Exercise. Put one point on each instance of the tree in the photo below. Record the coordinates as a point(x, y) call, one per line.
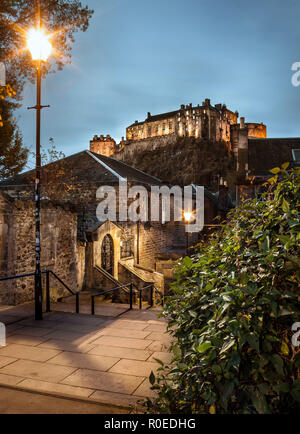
point(62, 18)
point(13, 156)
point(232, 313)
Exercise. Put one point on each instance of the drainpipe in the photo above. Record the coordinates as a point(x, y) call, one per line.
point(138, 242)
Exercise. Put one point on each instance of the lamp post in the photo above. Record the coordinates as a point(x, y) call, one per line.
point(188, 216)
point(39, 45)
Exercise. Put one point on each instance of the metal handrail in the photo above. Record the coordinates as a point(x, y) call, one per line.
point(108, 291)
point(128, 285)
point(47, 272)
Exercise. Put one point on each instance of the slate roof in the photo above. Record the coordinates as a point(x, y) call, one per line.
point(85, 167)
point(265, 154)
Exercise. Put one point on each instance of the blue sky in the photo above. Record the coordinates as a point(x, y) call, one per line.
point(140, 55)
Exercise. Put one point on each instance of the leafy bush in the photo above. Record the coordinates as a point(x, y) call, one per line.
point(231, 314)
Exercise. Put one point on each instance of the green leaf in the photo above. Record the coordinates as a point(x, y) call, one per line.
point(187, 261)
point(177, 352)
point(277, 363)
point(203, 347)
point(235, 361)
point(296, 384)
point(275, 170)
point(253, 341)
point(285, 206)
point(284, 166)
point(227, 345)
point(282, 387)
point(296, 395)
point(259, 402)
point(152, 378)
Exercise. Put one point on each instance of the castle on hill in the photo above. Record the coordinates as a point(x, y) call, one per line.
point(214, 123)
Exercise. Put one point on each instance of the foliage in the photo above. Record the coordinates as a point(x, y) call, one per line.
point(13, 156)
point(62, 18)
point(231, 314)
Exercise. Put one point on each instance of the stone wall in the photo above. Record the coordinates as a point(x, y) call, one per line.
point(59, 249)
point(149, 144)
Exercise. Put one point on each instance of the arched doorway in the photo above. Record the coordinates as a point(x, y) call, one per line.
point(107, 254)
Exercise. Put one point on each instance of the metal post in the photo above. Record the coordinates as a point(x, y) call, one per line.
point(151, 296)
point(38, 275)
point(131, 296)
point(93, 305)
point(77, 302)
point(48, 308)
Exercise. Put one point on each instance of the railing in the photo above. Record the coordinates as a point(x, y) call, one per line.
point(93, 296)
point(131, 290)
point(47, 272)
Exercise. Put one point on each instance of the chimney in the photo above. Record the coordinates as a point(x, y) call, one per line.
point(182, 106)
point(149, 115)
point(242, 123)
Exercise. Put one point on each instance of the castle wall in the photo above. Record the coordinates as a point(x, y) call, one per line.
point(149, 144)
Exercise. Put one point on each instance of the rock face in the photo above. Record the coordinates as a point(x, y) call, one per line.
point(182, 161)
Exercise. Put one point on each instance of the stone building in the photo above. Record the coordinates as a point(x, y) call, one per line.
point(85, 252)
point(255, 157)
point(104, 145)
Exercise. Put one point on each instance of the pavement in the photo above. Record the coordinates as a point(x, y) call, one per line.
point(13, 401)
point(104, 359)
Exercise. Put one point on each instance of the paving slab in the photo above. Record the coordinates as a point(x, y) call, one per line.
point(44, 386)
point(120, 352)
point(139, 344)
point(88, 361)
point(110, 382)
point(157, 346)
point(159, 328)
point(144, 390)
point(10, 380)
point(63, 345)
point(25, 340)
point(161, 337)
point(134, 367)
point(34, 331)
point(70, 336)
point(123, 333)
point(38, 370)
point(6, 361)
point(163, 356)
point(28, 353)
point(128, 325)
point(116, 398)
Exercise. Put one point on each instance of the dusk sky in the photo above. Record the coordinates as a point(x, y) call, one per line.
point(140, 55)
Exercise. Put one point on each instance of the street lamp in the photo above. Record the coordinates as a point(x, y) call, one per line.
point(39, 45)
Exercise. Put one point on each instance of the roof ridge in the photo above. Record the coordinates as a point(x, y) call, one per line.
point(113, 172)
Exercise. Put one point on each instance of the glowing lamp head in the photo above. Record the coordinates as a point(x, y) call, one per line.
point(39, 45)
point(188, 216)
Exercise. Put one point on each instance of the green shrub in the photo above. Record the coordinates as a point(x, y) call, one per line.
point(231, 314)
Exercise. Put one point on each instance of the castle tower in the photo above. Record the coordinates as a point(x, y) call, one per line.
point(104, 145)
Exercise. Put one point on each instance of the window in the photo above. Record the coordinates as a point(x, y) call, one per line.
point(164, 127)
point(170, 125)
point(296, 155)
point(149, 131)
point(126, 249)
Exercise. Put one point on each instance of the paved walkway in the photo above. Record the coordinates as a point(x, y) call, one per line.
point(13, 401)
point(105, 359)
